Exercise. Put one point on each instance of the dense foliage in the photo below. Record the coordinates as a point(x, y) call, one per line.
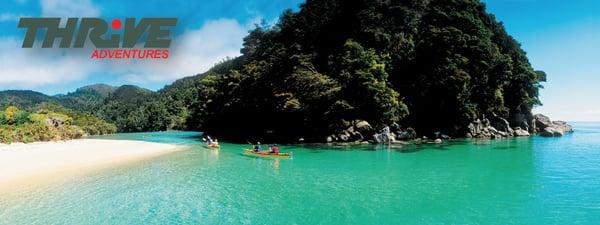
point(21, 126)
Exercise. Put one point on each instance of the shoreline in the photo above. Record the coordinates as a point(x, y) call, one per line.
point(44, 161)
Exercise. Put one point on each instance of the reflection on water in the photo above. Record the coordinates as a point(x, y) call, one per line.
point(521, 180)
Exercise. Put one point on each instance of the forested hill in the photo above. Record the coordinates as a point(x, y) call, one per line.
point(437, 66)
point(434, 65)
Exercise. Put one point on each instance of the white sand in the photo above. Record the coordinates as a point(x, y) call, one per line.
point(47, 160)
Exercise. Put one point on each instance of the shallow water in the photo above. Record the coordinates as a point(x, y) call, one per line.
point(515, 181)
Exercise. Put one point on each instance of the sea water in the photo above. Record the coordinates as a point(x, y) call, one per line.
point(529, 180)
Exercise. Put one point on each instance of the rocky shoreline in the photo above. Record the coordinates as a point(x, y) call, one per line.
point(494, 127)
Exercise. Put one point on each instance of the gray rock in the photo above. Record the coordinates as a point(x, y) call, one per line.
point(520, 132)
point(408, 134)
point(551, 132)
point(502, 125)
point(363, 127)
point(562, 126)
point(383, 136)
point(547, 128)
point(344, 137)
point(541, 122)
point(350, 129)
point(329, 139)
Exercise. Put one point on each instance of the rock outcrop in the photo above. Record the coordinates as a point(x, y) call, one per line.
point(519, 132)
point(483, 128)
point(384, 136)
point(548, 128)
point(407, 134)
point(494, 127)
point(498, 127)
point(356, 132)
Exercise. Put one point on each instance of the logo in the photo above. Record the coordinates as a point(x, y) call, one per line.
point(117, 42)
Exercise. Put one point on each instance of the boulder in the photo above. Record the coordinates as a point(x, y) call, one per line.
point(547, 128)
point(541, 122)
point(329, 139)
point(407, 134)
point(551, 132)
point(383, 136)
point(344, 137)
point(363, 127)
point(350, 129)
point(518, 131)
point(502, 125)
point(483, 129)
point(562, 126)
point(477, 129)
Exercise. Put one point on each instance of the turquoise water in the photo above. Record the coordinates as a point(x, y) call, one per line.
point(516, 181)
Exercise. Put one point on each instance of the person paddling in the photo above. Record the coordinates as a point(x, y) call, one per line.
point(275, 149)
point(257, 147)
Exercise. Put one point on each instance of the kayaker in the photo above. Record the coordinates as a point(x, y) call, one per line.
point(275, 149)
point(257, 147)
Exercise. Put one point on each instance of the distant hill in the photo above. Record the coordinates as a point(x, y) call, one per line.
point(102, 89)
point(24, 99)
point(86, 98)
point(113, 104)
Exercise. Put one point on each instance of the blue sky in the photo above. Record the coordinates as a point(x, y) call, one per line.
point(560, 37)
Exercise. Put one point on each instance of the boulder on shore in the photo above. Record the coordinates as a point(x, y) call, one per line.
point(551, 132)
point(563, 126)
point(502, 125)
point(384, 136)
point(363, 127)
point(541, 122)
point(407, 134)
point(354, 133)
point(484, 128)
point(519, 132)
point(548, 128)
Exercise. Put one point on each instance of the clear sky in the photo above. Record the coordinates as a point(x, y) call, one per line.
point(561, 37)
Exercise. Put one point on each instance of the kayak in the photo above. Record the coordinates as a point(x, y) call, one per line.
point(214, 146)
point(267, 154)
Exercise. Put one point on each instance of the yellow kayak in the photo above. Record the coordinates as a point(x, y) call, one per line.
point(267, 154)
point(214, 146)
